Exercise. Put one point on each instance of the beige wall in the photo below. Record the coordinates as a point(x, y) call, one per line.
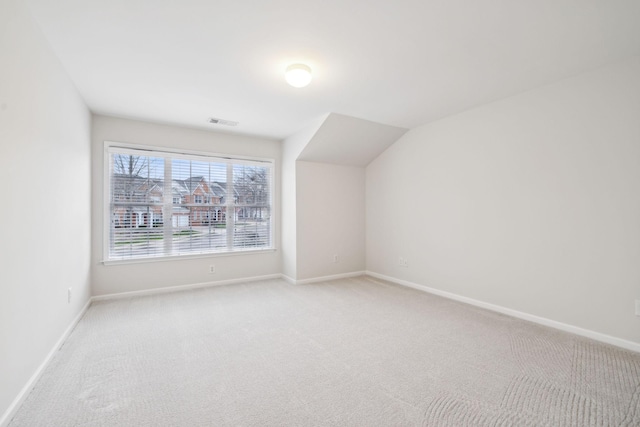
point(109, 279)
point(330, 219)
point(530, 203)
point(45, 214)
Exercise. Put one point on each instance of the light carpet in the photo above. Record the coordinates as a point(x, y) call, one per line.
point(351, 352)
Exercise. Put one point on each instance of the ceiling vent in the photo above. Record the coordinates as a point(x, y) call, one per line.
point(216, 121)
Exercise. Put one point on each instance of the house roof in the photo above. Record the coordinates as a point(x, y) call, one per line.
point(219, 188)
point(192, 183)
point(179, 187)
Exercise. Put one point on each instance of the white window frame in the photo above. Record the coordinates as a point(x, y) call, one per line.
point(110, 146)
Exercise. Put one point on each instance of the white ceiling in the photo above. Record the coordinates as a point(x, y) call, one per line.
point(348, 141)
point(401, 63)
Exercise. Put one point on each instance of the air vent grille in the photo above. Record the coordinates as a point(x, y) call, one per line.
point(216, 121)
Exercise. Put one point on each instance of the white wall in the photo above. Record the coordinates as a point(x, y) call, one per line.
point(530, 203)
point(109, 279)
point(330, 219)
point(45, 214)
point(291, 149)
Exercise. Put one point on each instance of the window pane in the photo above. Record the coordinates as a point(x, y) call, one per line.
point(199, 224)
point(136, 205)
point(205, 212)
point(253, 213)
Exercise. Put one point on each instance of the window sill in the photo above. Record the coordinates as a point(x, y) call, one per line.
point(186, 257)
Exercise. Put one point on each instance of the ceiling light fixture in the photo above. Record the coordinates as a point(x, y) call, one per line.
point(298, 75)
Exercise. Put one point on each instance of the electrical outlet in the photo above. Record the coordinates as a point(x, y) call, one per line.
point(638, 307)
point(400, 261)
point(69, 296)
point(212, 269)
point(335, 258)
point(405, 263)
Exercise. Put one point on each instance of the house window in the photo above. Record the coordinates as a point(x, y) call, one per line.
point(147, 219)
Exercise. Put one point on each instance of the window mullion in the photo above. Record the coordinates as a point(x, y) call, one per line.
point(231, 208)
point(167, 208)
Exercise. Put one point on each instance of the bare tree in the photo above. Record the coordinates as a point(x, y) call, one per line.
point(128, 184)
point(252, 188)
point(129, 165)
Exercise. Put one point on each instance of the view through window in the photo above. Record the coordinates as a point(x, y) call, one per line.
point(170, 204)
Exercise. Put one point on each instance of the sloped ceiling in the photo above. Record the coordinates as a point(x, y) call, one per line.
point(401, 63)
point(349, 141)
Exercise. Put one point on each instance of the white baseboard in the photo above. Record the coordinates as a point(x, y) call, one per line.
point(608, 339)
point(15, 405)
point(5, 419)
point(323, 278)
point(184, 287)
point(226, 282)
point(288, 279)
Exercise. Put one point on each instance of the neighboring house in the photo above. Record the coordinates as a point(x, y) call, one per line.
point(179, 212)
point(203, 199)
point(138, 201)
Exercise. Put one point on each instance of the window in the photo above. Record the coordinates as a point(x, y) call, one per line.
point(165, 204)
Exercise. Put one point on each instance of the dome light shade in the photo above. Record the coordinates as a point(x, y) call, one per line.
point(298, 75)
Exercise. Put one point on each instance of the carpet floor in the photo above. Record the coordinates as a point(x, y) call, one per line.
point(350, 352)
